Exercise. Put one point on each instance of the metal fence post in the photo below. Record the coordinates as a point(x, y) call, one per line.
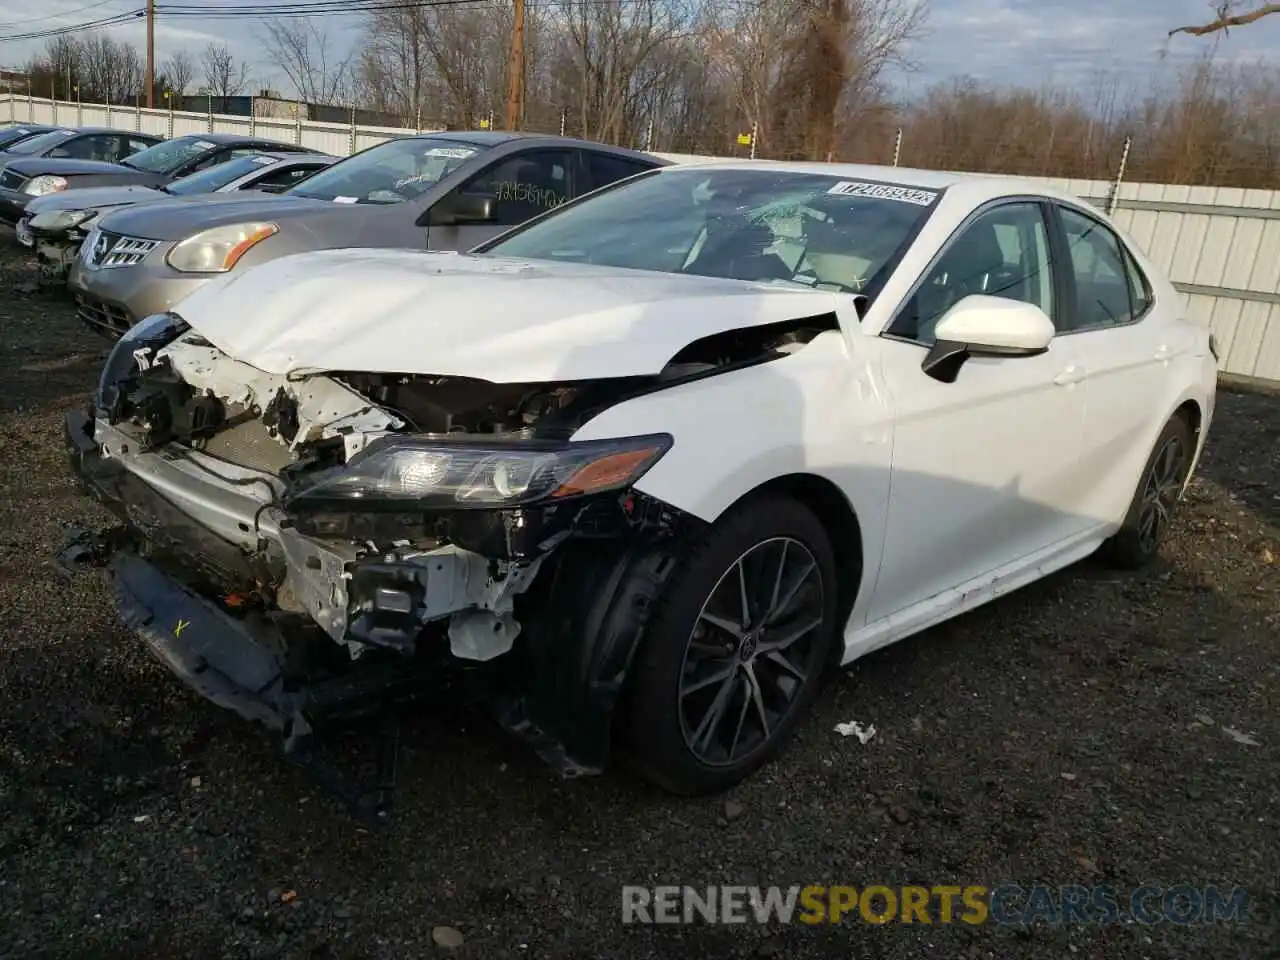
point(31, 104)
point(170, 99)
point(297, 123)
point(351, 139)
point(253, 116)
point(210, 106)
point(1115, 187)
point(897, 147)
point(137, 112)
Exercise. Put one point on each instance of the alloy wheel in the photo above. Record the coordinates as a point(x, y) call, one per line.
point(1160, 493)
point(750, 651)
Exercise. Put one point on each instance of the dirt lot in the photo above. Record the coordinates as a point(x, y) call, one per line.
point(1073, 733)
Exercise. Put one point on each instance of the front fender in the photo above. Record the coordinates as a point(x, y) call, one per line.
point(819, 411)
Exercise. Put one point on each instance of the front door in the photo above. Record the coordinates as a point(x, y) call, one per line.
point(520, 186)
point(984, 469)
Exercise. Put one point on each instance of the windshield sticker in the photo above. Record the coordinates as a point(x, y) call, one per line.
point(204, 145)
point(545, 197)
point(880, 191)
point(420, 178)
point(453, 153)
point(264, 161)
point(346, 199)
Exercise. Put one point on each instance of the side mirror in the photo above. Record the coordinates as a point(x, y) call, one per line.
point(462, 208)
point(985, 326)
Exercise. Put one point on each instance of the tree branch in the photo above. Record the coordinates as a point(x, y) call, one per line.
point(1226, 20)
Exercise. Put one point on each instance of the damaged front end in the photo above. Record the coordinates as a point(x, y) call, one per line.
point(306, 549)
point(57, 236)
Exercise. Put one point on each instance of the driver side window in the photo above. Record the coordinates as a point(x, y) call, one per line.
point(1003, 253)
point(523, 185)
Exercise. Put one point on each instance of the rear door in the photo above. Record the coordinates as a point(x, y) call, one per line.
point(1124, 351)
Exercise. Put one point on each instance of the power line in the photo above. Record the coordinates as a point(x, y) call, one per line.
point(77, 27)
point(58, 16)
point(318, 8)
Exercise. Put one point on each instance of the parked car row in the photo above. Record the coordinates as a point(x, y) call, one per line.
point(178, 213)
point(662, 447)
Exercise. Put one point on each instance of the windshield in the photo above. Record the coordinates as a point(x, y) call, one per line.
point(46, 141)
point(820, 231)
point(168, 156)
point(217, 177)
point(391, 172)
point(14, 134)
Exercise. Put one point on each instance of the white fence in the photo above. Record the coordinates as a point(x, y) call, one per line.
point(1219, 245)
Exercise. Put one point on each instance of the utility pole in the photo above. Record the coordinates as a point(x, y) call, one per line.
point(151, 54)
point(515, 70)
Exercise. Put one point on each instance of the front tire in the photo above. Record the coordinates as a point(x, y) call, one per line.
point(735, 652)
point(1137, 543)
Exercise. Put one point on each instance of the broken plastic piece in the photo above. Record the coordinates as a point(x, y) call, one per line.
point(854, 729)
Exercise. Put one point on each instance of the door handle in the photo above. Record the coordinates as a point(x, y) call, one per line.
point(1163, 353)
point(1071, 375)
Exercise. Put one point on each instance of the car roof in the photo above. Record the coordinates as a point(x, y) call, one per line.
point(978, 187)
point(493, 138)
point(79, 130)
point(221, 139)
point(296, 155)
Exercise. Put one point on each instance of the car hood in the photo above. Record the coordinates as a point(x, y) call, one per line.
point(493, 318)
point(180, 217)
point(34, 166)
point(93, 198)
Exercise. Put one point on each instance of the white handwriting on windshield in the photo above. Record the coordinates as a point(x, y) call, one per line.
point(419, 178)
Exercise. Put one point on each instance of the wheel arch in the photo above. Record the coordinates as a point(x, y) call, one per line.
point(833, 509)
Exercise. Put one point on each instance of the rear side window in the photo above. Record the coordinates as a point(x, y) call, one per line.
point(604, 169)
point(1110, 289)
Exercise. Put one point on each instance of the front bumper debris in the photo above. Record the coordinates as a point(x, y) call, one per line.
point(55, 255)
point(298, 630)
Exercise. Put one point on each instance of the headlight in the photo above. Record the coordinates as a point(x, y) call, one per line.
point(56, 220)
point(148, 334)
point(399, 473)
point(45, 184)
point(216, 250)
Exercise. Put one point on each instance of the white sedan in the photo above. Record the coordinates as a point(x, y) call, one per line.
point(649, 464)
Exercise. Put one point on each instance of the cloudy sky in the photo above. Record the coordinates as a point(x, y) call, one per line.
point(1033, 42)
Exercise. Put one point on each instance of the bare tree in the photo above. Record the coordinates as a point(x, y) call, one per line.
point(178, 71)
point(610, 44)
point(1228, 14)
point(57, 70)
point(309, 57)
point(798, 67)
point(224, 76)
point(110, 71)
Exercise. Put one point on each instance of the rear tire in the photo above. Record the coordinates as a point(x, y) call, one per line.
point(735, 652)
point(1137, 542)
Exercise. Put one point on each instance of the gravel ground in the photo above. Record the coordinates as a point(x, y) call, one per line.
point(1072, 733)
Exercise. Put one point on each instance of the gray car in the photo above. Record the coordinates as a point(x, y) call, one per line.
point(58, 223)
point(446, 191)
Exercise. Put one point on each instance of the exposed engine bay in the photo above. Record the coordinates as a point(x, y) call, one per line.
point(399, 516)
